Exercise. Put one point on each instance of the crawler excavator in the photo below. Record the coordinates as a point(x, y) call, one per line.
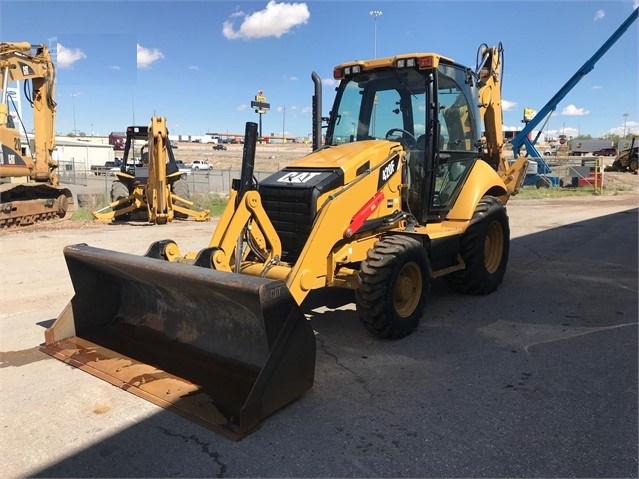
point(155, 188)
point(29, 186)
point(404, 189)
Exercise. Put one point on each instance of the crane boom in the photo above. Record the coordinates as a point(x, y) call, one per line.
point(522, 137)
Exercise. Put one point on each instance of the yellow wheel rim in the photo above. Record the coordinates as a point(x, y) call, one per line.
point(408, 289)
point(493, 247)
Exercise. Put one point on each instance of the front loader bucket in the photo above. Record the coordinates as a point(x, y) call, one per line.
point(225, 350)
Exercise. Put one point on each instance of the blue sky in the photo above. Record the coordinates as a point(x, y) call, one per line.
point(200, 63)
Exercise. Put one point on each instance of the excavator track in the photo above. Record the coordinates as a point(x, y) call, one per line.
point(25, 204)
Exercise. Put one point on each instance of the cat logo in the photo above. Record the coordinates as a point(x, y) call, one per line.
point(297, 177)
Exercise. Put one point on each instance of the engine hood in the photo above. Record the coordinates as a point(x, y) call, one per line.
point(351, 158)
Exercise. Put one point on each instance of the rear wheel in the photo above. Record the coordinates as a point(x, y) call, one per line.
point(181, 188)
point(633, 164)
point(484, 248)
point(393, 283)
point(118, 191)
point(543, 183)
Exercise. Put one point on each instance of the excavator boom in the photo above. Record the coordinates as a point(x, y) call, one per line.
point(38, 197)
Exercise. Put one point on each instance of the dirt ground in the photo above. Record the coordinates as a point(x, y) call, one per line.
point(268, 157)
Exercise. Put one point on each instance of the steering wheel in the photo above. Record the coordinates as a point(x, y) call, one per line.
point(411, 144)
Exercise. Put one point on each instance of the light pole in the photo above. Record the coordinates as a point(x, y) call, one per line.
point(625, 120)
point(283, 123)
point(73, 95)
point(375, 14)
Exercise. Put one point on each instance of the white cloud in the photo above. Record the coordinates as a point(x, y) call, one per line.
point(635, 4)
point(572, 110)
point(242, 107)
point(630, 128)
point(511, 128)
point(329, 82)
point(66, 57)
point(194, 68)
point(508, 105)
point(115, 67)
point(596, 87)
point(274, 21)
point(146, 57)
point(568, 131)
point(599, 14)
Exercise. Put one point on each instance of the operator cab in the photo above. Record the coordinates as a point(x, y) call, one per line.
point(423, 101)
point(138, 168)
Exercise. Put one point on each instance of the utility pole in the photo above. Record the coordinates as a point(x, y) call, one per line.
point(375, 14)
point(625, 120)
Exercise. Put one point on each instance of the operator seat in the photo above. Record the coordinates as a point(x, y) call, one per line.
point(455, 172)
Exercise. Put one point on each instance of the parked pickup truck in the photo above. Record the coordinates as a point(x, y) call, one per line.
point(108, 166)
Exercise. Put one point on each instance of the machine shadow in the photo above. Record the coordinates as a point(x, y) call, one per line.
point(164, 444)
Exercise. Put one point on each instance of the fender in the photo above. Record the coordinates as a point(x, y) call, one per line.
point(481, 180)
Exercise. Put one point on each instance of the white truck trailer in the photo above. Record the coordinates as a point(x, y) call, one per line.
point(580, 147)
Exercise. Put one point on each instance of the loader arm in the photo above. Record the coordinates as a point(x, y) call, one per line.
point(318, 265)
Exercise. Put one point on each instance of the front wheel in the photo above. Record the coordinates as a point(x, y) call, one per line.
point(484, 248)
point(393, 282)
point(633, 164)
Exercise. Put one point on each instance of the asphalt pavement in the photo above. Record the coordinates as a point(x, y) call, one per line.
point(536, 380)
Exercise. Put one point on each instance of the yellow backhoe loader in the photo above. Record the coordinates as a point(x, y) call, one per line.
point(29, 183)
point(405, 188)
point(153, 186)
point(627, 159)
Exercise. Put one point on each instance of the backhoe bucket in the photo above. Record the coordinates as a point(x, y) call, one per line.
point(225, 350)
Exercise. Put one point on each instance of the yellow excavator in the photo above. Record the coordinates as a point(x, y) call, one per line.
point(405, 188)
point(152, 187)
point(29, 186)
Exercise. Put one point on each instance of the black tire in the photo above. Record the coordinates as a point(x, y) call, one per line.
point(181, 188)
point(543, 183)
point(632, 165)
point(118, 191)
point(484, 248)
point(393, 283)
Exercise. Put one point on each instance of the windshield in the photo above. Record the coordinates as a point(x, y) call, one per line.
point(372, 104)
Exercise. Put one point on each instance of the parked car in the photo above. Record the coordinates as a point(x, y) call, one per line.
point(605, 152)
point(200, 165)
point(219, 146)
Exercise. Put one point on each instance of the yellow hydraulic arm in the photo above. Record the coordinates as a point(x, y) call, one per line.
point(490, 109)
point(19, 62)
